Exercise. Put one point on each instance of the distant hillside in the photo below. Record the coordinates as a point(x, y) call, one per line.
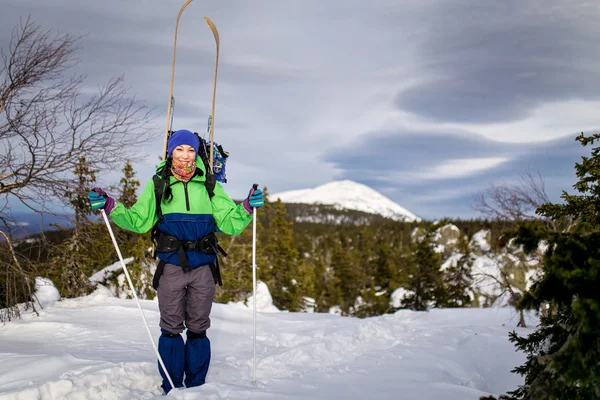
point(329, 215)
point(348, 195)
point(28, 224)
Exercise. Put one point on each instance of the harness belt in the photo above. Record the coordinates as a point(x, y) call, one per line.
point(207, 245)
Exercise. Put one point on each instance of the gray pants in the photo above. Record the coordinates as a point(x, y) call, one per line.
point(185, 298)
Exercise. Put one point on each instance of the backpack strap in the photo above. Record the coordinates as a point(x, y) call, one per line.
point(159, 188)
point(211, 179)
point(210, 184)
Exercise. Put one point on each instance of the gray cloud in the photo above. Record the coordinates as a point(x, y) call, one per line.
point(410, 153)
point(404, 151)
point(497, 61)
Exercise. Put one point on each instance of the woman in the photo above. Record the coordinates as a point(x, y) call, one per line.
point(186, 250)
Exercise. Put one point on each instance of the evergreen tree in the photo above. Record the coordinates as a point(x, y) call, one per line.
point(384, 266)
point(378, 249)
point(281, 272)
point(374, 302)
point(305, 284)
point(128, 186)
point(326, 284)
point(236, 268)
point(350, 278)
point(458, 280)
point(425, 276)
point(563, 354)
point(71, 262)
point(141, 269)
point(85, 177)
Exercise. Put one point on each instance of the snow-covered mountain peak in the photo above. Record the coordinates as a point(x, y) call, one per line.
point(348, 195)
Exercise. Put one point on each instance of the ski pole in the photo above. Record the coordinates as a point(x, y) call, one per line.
point(114, 240)
point(255, 186)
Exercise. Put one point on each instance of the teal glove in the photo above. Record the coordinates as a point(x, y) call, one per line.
point(100, 200)
point(255, 199)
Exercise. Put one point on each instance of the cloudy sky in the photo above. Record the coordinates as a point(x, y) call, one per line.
point(426, 101)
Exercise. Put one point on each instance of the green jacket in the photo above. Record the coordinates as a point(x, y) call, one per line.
point(190, 215)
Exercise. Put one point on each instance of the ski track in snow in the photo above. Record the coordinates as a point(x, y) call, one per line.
point(97, 348)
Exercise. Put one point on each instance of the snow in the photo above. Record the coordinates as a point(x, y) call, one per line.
point(309, 304)
point(532, 276)
point(487, 274)
point(107, 271)
point(448, 228)
point(264, 301)
point(348, 195)
point(479, 241)
point(399, 295)
point(95, 347)
point(452, 261)
point(543, 247)
point(46, 293)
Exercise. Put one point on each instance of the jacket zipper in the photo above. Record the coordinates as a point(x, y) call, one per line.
point(187, 199)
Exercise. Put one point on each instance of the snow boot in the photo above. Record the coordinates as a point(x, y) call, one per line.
point(172, 352)
point(197, 358)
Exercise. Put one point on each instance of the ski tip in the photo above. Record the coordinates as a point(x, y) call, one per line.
point(213, 28)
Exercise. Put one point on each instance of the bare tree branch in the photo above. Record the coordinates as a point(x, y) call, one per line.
point(47, 120)
point(516, 202)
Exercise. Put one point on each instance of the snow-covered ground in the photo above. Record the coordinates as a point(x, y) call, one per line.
point(96, 347)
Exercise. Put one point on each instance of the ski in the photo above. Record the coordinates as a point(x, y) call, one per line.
point(171, 99)
point(213, 28)
point(171, 104)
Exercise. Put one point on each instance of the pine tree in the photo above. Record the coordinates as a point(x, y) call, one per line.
point(377, 248)
point(132, 244)
point(425, 275)
point(85, 176)
point(375, 302)
point(71, 262)
point(128, 186)
point(457, 281)
point(350, 279)
point(281, 270)
point(326, 283)
point(563, 354)
point(236, 268)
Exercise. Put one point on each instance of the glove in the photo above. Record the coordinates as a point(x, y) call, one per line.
point(255, 199)
point(99, 200)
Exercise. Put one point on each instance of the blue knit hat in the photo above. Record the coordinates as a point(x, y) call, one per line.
point(182, 136)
